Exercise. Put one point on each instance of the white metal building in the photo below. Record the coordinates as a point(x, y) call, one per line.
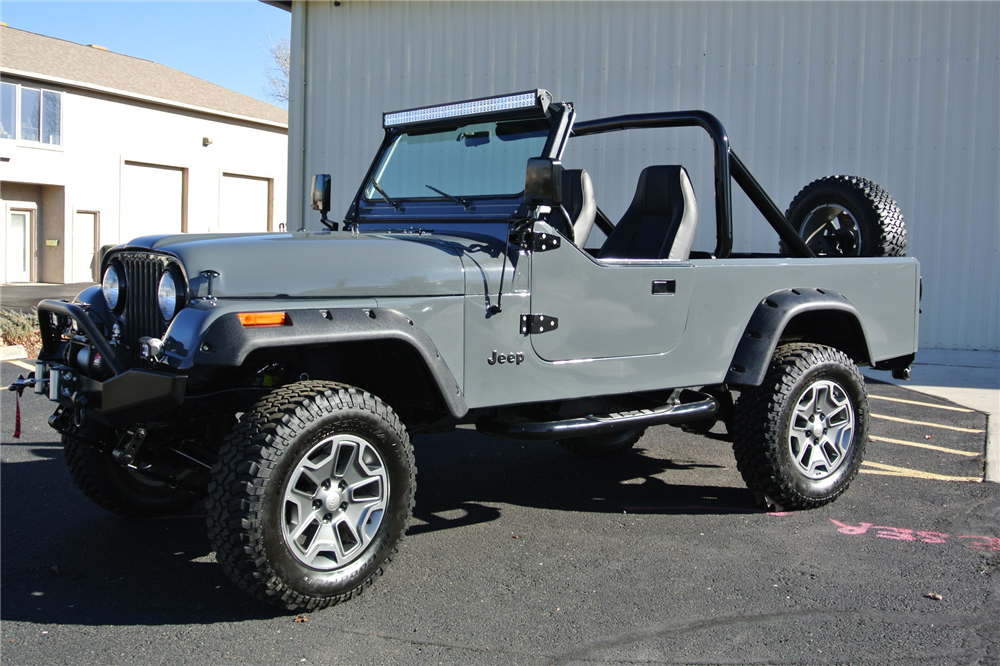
point(904, 93)
point(97, 148)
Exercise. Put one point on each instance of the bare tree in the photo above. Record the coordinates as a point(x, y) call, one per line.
point(277, 69)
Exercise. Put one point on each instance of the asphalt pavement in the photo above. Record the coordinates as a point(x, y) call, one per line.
point(25, 296)
point(522, 554)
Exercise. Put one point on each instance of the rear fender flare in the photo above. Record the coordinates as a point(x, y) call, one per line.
point(771, 320)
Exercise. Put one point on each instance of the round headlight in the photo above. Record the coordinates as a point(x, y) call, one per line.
point(111, 286)
point(166, 296)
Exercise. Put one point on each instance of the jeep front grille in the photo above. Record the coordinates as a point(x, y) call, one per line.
point(141, 317)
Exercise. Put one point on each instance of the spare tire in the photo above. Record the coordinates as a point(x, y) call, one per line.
point(847, 216)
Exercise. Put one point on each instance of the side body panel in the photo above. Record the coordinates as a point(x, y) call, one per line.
point(608, 310)
point(723, 297)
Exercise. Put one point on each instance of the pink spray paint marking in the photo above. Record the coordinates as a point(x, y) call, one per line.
point(923, 536)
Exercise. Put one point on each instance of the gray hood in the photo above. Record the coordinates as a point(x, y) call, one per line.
point(316, 265)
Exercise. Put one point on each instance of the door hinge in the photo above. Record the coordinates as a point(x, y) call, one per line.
point(543, 242)
point(536, 323)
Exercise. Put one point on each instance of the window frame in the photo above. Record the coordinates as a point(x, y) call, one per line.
point(18, 116)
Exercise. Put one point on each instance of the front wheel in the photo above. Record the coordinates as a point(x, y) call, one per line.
point(118, 489)
point(311, 494)
point(800, 436)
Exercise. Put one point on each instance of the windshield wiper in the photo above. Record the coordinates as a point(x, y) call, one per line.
point(381, 193)
point(464, 202)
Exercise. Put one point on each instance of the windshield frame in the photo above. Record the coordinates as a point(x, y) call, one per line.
point(448, 163)
point(560, 116)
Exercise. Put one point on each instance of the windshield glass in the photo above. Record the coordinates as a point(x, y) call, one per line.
point(465, 161)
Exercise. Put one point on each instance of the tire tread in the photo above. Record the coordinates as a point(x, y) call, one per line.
point(886, 215)
point(758, 430)
point(243, 471)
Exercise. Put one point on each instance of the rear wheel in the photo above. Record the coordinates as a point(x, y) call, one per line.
point(847, 216)
point(311, 494)
point(800, 436)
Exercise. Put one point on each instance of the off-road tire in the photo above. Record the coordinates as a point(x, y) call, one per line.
point(117, 489)
point(603, 446)
point(257, 466)
point(880, 231)
point(764, 444)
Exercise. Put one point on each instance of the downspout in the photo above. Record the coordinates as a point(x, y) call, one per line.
point(297, 104)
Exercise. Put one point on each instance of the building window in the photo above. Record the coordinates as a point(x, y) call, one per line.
point(31, 111)
point(8, 110)
point(51, 117)
point(30, 114)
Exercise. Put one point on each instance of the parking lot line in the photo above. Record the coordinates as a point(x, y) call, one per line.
point(22, 364)
point(890, 470)
point(920, 445)
point(922, 404)
point(924, 423)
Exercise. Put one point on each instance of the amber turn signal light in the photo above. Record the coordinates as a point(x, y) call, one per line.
point(252, 319)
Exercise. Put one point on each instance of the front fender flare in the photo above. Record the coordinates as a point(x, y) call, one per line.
point(228, 343)
point(771, 319)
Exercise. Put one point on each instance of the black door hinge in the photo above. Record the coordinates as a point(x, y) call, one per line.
point(536, 323)
point(537, 241)
point(542, 242)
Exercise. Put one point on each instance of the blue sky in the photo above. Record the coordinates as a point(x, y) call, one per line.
point(221, 42)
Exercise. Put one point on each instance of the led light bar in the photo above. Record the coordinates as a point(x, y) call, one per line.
point(517, 104)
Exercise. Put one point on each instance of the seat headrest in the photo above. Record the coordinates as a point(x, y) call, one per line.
point(659, 189)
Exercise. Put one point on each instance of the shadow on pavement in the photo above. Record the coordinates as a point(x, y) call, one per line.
point(66, 561)
point(463, 472)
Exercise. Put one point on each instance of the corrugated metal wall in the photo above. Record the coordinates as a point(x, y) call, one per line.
point(906, 94)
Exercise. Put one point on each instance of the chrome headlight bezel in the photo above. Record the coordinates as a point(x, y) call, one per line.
point(169, 298)
point(113, 287)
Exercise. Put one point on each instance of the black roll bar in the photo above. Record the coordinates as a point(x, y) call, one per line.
point(766, 206)
point(726, 165)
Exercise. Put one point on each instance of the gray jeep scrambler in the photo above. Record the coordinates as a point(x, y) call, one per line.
point(279, 376)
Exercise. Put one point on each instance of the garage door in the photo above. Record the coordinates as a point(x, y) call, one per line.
point(245, 203)
point(152, 200)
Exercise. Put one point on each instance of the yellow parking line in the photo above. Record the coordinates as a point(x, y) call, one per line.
point(920, 445)
point(22, 364)
point(924, 423)
point(922, 404)
point(889, 470)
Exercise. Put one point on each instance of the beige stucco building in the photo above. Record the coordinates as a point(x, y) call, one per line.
point(97, 148)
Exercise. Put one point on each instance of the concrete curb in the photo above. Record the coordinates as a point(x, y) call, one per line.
point(12, 353)
point(967, 378)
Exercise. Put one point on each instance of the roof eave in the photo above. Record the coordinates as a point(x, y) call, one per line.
point(280, 4)
point(83, 85)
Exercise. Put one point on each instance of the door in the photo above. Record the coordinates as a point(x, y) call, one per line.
point(606, 309)
point(84, 247)
point(20, 251)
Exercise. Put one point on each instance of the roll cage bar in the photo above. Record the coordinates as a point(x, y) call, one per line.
point(727, 165)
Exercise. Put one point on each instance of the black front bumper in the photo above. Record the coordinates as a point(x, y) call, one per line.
point(127, 396)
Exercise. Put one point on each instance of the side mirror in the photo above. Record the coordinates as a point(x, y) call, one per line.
point(320, 197)
point(543, 182)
